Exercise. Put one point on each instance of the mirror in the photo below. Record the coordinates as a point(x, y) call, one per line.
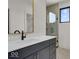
point(20, 16)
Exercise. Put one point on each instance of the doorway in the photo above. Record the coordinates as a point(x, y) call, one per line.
point(52, 20)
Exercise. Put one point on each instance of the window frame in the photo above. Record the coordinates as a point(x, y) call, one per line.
point(69, 14)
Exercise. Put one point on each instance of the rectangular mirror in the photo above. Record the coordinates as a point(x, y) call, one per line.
point(20, 16)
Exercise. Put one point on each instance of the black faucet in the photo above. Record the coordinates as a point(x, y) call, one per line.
point(22, 37)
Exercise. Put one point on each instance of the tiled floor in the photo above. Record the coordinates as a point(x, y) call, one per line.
point(62, 53)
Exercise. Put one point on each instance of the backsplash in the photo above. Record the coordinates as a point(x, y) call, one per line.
point(18, 36)
point(14, 36)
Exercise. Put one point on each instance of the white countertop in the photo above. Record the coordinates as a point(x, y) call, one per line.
point(28, 41)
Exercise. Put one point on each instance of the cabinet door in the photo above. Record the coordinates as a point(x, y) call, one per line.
point(32, 56)
point(43, 54)
point(29, 57)
point(53, 51)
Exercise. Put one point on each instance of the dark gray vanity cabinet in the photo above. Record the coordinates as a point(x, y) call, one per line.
point(42, 50)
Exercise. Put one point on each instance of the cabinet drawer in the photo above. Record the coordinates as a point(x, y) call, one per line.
point(53, 41)
point(42, 45)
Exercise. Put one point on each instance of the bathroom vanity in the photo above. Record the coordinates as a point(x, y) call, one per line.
point(37, 48)
point(29, 17)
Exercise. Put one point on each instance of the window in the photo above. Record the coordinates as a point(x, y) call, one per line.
point(52, 17)
point(65, 15)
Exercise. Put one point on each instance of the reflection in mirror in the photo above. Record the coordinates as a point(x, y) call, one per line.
point(29, 23)
point(20, 16)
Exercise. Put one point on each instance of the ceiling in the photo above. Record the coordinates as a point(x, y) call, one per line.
point(29, 2)
point(50, 2)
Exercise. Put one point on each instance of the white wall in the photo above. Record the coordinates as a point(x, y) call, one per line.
point(40, 16)
point(64, 30)
point(18, 10)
